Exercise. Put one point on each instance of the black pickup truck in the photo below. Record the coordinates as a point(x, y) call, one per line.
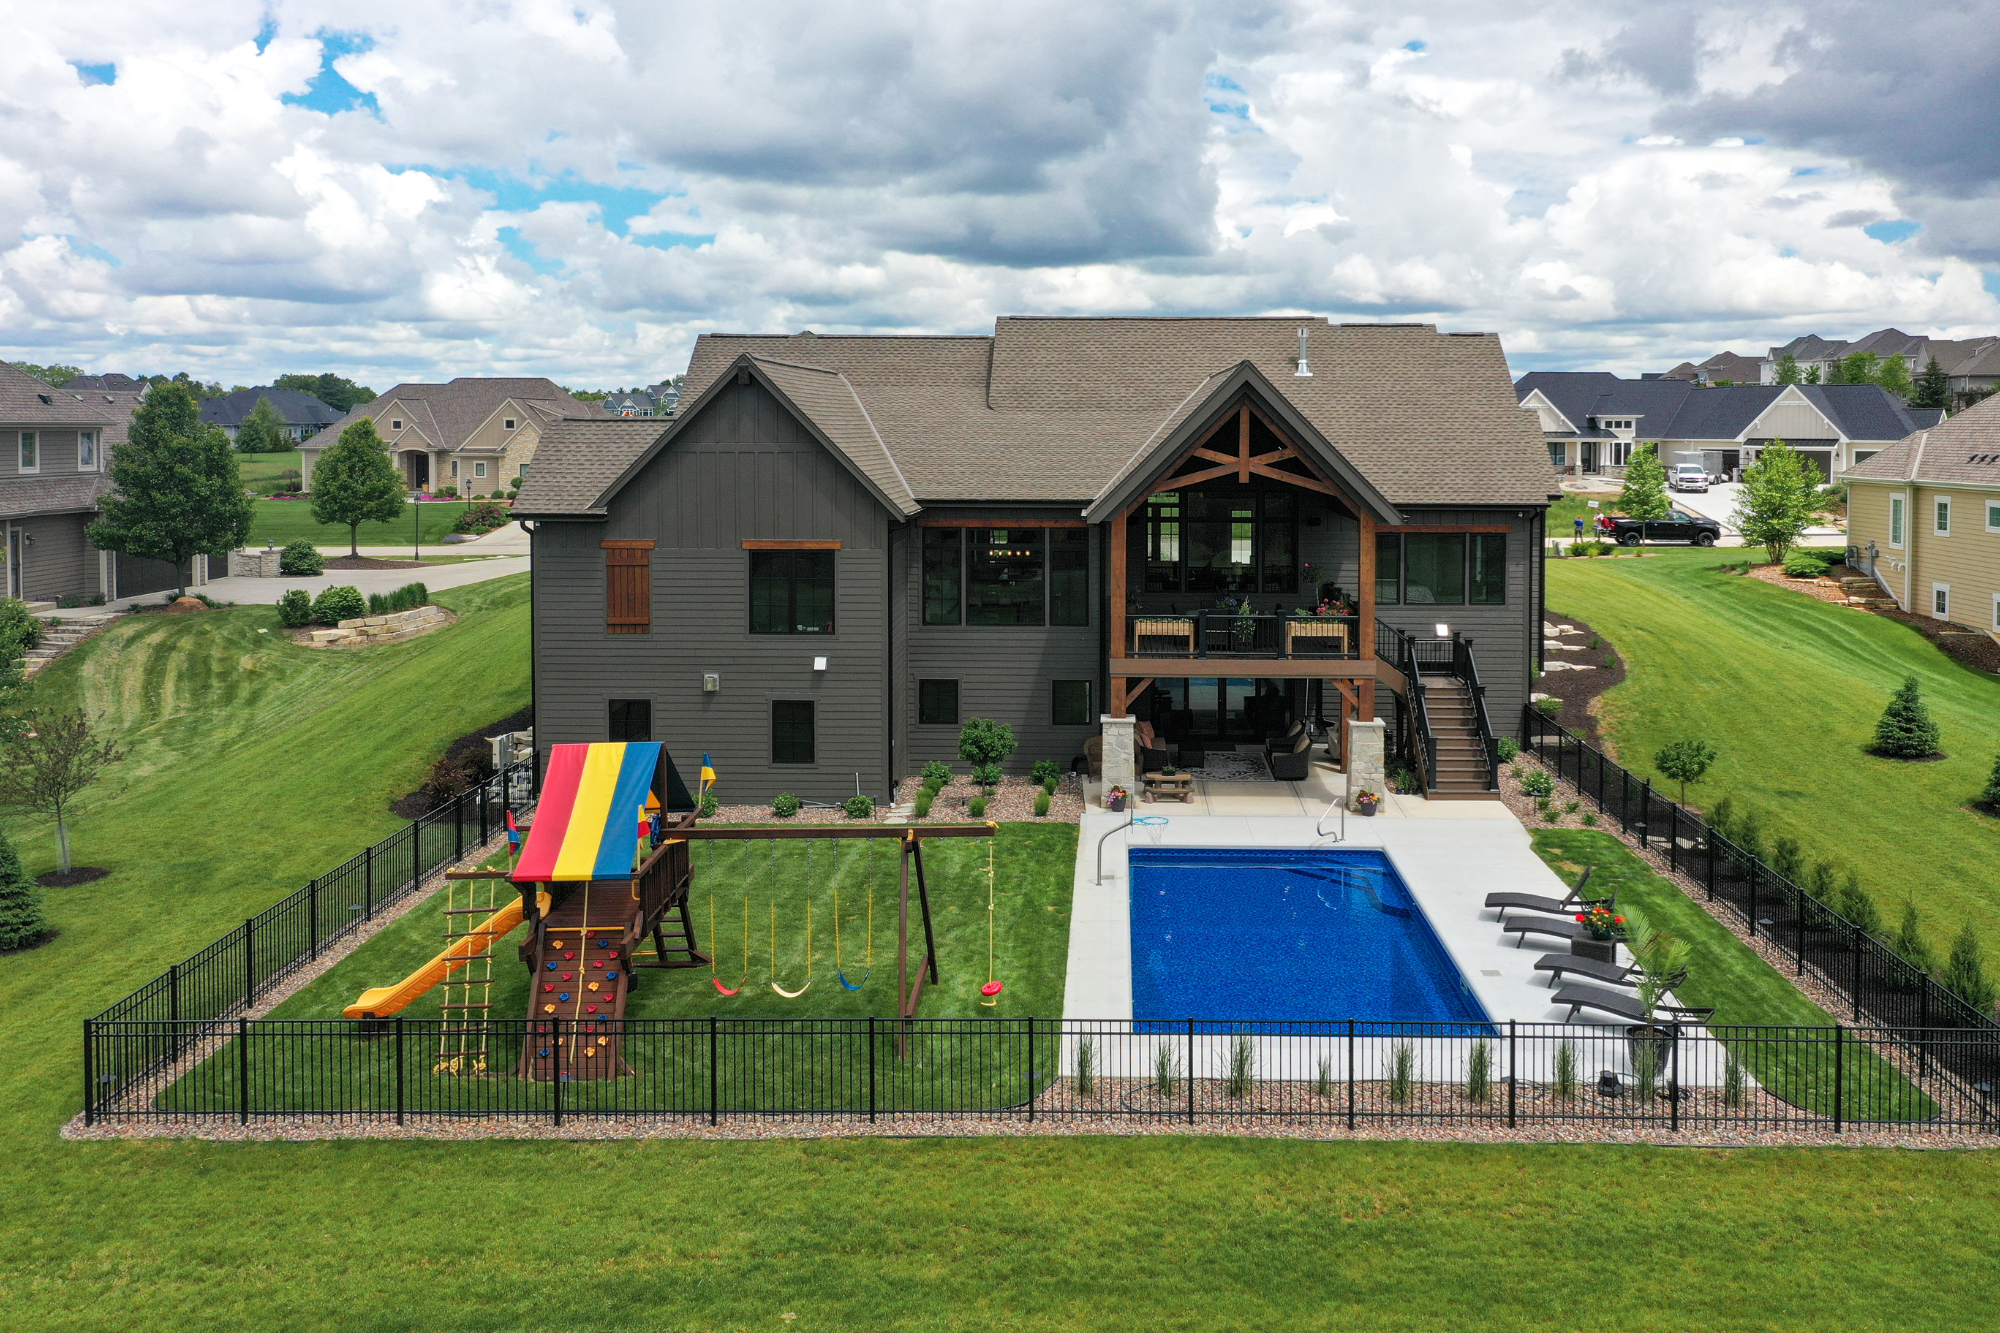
point(1677, 526)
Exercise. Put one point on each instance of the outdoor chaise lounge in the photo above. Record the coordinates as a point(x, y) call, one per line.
point(1534, 902)
point(1614, 974)
point(1563, 928)
point(1624, 1006)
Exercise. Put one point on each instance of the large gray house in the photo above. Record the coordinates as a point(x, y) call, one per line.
point(843, 547)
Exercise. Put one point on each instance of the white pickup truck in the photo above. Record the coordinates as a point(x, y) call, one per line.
point(1689, 473)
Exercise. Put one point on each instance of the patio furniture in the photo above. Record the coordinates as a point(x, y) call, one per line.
point(1283, 744)
point(1295, 763)
point(1154, 752)
point(1168, 786)
point(1166, 634)
point(1559, 927)
point(1624, 1006)
point(1575, 901)
point(1556, 964)
point(1315, 638)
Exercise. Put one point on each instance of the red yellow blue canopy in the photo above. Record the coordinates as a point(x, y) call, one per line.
point(587, 822)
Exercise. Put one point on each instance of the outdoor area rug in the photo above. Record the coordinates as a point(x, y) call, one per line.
point(1233, 766)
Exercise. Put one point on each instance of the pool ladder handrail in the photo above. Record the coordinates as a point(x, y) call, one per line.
point(1319, 825)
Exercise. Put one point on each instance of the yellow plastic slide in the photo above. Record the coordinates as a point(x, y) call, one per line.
point(386, 1000)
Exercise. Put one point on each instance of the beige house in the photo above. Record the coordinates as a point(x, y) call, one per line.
point(474, 436)
point(1924, 517)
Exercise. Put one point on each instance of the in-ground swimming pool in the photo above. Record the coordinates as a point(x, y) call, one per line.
point(1280, 935)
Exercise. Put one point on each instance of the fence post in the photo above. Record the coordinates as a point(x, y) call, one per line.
point(1752, 872)
point(1854, 991)
point(1190, 1068)
point(312, 917)
point(485, 798)
point(1350, 1073)
point(416, 854)
point(1674, 1079)
point(89, 1073)
point(174, 993)
point(1799, 932)
point(242, 1069)
point(1673, 836)
point(1839, 1072)
point(871, 1071)
point(1923, 1025)
point(1646, 816)
point(1512, 1072)
point(711, 1065)
point(368, 882)
point(249, 962)
point(1708, 837)
point(1624, 799)
point(556, 1069)
point(399, 1069)
point(458, 826)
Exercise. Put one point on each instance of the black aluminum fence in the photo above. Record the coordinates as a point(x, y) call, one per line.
point(182, 1003)
point(1355, 1073)
point(1878, 986)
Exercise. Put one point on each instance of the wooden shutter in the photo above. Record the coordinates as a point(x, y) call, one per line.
point(628, 587)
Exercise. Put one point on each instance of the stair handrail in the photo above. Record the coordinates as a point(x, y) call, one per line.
point(1422, 741)
point(1466, 667)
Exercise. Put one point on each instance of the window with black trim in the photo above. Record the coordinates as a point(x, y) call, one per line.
point(944, 575)
point(1069, 703)
point(1434, 568)
point(937, 703)
point(1204, 542)
point(1069, 576)
point(1006, 577)
point(1388, 568)
point(791, 592)
point(1488, 579)
point(631, 720)
point(1441, 568)
point(792, 731)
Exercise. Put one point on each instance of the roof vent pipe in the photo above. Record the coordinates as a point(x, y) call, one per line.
point(1304, 371)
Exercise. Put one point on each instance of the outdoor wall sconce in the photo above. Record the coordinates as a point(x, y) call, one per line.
point(1444, 631)
point(710, 682)
point(819, 664)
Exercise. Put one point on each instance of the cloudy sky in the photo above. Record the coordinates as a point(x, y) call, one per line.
point(578, 188)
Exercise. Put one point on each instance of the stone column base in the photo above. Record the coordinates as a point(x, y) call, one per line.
point(1365, 767)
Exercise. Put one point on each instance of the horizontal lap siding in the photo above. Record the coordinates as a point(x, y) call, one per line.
point(1504, 637)
point(1968, 559)
point(744, 470)
point(58, 562)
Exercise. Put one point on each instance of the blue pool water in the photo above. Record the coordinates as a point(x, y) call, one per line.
point(1286, 936)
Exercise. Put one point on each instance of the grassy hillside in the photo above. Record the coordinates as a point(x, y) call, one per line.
point(1789, 689)
point(284, 521)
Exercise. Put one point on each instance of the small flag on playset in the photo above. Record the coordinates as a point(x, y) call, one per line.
point(707, 774)
point(513, 833)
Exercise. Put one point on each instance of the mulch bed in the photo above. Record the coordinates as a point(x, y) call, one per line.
point(370, 562)
point(1967, 647)
point(1579, 690)
point(56, 879)
point(471, 746)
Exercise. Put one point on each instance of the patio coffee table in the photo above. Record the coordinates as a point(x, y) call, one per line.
point(1165, 786)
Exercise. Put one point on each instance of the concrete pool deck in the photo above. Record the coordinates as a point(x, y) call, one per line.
point(1451, 854)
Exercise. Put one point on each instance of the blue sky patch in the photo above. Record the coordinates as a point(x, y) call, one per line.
point(329, 93)
point(617, 205)
point(266, 30)
point(524, 250)
point(1239, 110)
point(1223, 82)
point(1990, 281)
point(1417, 45)
point(95, 74)
point(1902, 229)
point(1808, 171)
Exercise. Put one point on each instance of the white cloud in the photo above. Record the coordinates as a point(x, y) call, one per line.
point(579, 187)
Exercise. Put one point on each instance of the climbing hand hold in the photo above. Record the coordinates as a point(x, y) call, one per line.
point(548, 1008)
point(565, 976)
point(552, 967)
point(590, 1008)
point(563, 996)
point(550, 986)
point(611, 976)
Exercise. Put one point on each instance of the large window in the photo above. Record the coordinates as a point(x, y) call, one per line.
point(944, 569)
point(1069, 576)
point(631, 720)
point(1204, 542)
point(1441, 568)
point(937, 703)
point(1069, 703)
point(792, 731)
point(791, 592)
point(1005, 577)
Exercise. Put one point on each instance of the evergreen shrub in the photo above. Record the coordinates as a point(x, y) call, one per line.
point(22, 922)
point(340, 603)
point(301, 559)
point(295, 608)
point(785, 806)
point(1906, 730)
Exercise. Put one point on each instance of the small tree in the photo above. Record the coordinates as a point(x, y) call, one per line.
point(1812, 375)
point(1933, 388)
point(178, 491)
point(1788, 369)
point(1856, 368)
point(1645, 493)
point(1894, 375)
point(262, 432)
point(355, 482)
point(19, 631)
point(1965, 971)
point(1990, 798)
point(1857, 906)
point(1906, 730)
point(1777, 503)
point(22, 925)
point(1910, 942)
point(984, 741)
point(1685, 761)
point(46, 768)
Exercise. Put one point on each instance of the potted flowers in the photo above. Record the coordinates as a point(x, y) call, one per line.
point(1114, 800)
point(1366, 802)
point(1603, 929)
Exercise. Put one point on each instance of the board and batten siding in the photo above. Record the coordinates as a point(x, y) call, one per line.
point(745, 470)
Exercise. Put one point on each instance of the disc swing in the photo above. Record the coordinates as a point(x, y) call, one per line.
point(791, 994)
point(991, 990)
point(869, 965)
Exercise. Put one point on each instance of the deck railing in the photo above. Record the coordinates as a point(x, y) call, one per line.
point(1230, 634)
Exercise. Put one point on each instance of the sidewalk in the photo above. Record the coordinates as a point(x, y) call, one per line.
point(249, 591)
point(508, 539)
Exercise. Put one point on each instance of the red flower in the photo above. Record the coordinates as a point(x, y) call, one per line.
point(1579, 916)
point(1617, 920)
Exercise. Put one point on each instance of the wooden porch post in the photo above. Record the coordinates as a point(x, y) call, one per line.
point(1364, 605)
point(1117, 699)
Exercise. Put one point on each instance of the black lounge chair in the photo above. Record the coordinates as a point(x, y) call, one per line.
point(1615, 974)
point(1535, 902)
point(1624, 1006)
point(1294, 763)
point(1561, 927)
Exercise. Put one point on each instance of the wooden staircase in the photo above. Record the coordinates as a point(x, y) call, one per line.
point(1462, 768)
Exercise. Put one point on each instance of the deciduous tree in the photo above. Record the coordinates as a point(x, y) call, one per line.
point(1788, 369)
point(1776, 506)
point(355, 482)
point(1645, 494)
point(1685, 761)
point(178, 491)
point(262, 432)
point(336, 391)
point(1894, 375)
point(46, 769)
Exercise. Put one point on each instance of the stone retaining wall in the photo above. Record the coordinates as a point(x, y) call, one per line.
point(254, 564)
point(366, 630)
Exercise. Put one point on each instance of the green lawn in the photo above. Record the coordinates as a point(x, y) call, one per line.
point(257, 764)
point(286, 521)
point(260, 472)
point(1745, 991)
point(1788, 690)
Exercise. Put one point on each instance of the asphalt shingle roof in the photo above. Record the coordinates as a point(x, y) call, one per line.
point(1677, 410)
point(22, 496)
point(445, 415)
point(1963, 450)
point(27, 401)
point(295, 407)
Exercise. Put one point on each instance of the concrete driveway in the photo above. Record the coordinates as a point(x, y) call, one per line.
point(1719, 503)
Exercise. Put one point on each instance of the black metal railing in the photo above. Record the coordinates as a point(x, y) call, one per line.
point(224, 977)
point(1466, 667)
point(1349, 1072)
point(1877, 984)
point(1233, 634)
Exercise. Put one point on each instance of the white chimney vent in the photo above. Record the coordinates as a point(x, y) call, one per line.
point(1304, 371)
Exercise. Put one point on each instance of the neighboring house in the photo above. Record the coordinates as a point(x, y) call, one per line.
point(476, 436)
point(302, 414)
point(666, 398)
point(54, 448)
point(1923, 516)
point(114, 383)
point(635, 404)
point(1722, 366)
point(1592, 421)
point(1813, 352)
point(842, 548)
